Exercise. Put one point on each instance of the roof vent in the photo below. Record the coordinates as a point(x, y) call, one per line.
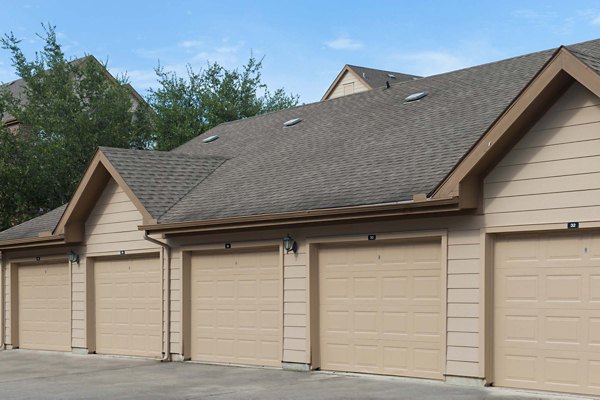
point(391, 76)
point(210, 139)
point(415, 97)
point(292, 122)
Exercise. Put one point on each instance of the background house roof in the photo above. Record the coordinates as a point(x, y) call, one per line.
point(376, 78)
point(369, 148)
point(17, 87)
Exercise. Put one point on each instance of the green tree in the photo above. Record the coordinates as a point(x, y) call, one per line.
point(66, 110)
point(188, 106)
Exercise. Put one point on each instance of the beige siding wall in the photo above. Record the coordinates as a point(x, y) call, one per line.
point(464, 293)
point(176, 302)
point(110, 228)
point(553, 174)
point(295, 306)
point(463, 280)
point(348, 80)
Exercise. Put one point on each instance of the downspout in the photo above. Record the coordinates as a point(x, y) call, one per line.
point(2, 308)
point(166, 293)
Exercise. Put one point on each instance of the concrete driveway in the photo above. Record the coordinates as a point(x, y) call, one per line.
point(44, 375)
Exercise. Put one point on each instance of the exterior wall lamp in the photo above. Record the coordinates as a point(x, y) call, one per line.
point(289, 244)
point(73, 257)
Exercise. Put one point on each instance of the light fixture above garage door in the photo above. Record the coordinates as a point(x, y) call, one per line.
point(289, 244)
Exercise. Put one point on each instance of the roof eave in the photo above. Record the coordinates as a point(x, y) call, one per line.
point(52, 240)
point(98, 172)
point(340, 214)
point(494, 140)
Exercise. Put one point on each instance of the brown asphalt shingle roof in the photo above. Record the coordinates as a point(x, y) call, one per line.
point(367, 148)
point(35, 226)
point(160, 179)
point(376, 78)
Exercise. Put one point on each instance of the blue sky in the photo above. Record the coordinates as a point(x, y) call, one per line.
point(306, 43)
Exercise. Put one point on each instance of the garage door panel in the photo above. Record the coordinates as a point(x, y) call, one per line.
point(378, 312)
point(128, 306)
point(594, 286)
point(555, 371)
point(547, 323)
point(44, 307)
point(427, 288)
point(240, 321)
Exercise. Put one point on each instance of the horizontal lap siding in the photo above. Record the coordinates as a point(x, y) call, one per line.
point(553, 174)
point(295, 306)
point(347, 78)
point(176, 302)
point(464, 294)
point(112, 226)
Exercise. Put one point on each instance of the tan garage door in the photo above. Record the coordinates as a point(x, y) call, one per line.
point(128, 306)
point(381, 308)
point(44, 309)
point(237, 308)
point(547, 312)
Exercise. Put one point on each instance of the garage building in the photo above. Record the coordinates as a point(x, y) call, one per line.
point(445, 228)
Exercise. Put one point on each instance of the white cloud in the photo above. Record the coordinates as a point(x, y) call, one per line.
point(557, 23)
point(432, 62)
point(436, 61)
point(225, 55)
point(190, 44)
point(534, 15)
point(195, 53)
point(140, 79)
point(344, 43)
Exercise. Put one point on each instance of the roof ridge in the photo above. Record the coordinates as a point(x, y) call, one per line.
point(341, 98)
point(69, 61)
point(582, 43)
point(383, 70)
point(190, 189)
point(581, 52)
point(552, 49)
point(163, 153)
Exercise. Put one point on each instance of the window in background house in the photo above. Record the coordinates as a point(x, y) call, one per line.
point(348, 88)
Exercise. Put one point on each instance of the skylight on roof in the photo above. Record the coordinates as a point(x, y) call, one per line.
point(415, 97)
point(210, 139)
point(292, 122)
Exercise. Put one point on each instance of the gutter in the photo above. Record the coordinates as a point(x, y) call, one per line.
point(404, 208)
point(165, 295)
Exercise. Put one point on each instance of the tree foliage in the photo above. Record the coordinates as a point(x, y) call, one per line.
point(188, 106)
point(67, 108)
